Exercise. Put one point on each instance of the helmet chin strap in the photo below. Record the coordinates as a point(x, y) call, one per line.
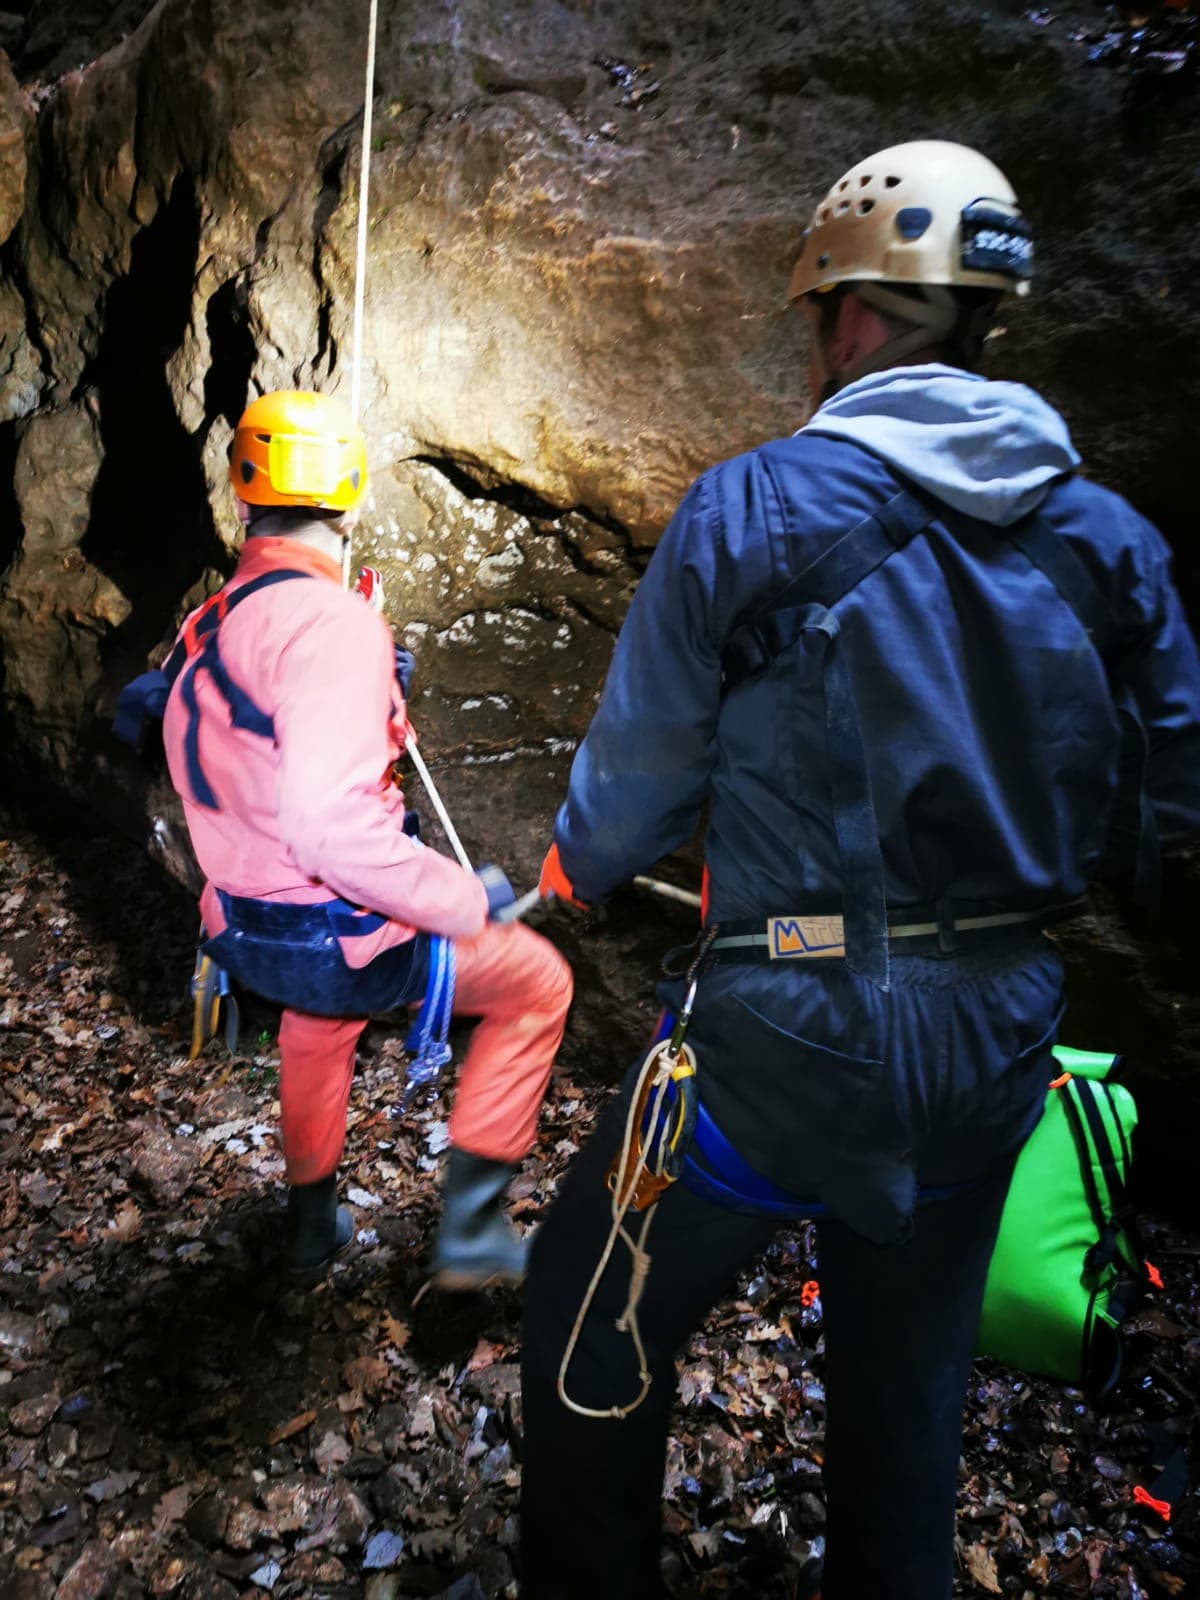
point(935, 317)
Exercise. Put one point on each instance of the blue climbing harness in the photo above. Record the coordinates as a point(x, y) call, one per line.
point(428, 1038)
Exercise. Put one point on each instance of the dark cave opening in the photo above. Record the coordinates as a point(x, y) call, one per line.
point(151, 529)
point(232, 352)
point(333, 169)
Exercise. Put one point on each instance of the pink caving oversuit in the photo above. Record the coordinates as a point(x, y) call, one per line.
point(307, 816)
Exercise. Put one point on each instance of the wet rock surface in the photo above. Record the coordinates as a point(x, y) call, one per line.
point(581, 228)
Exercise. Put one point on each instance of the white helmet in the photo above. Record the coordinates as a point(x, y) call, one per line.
point(927, 212)
point(927, 218)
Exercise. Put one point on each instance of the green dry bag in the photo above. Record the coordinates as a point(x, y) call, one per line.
point(1068, 1265)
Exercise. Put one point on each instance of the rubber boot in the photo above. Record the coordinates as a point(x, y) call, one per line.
point(318, 1229)
point(808, 1585)
point(475, 1244)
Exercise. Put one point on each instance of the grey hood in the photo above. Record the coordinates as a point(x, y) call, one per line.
point(989, 449)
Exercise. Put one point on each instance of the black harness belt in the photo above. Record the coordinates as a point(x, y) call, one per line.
point(815, 936)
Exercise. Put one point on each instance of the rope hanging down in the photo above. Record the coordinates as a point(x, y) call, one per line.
point(649, 1101)
point(356, 371)
point(360, 263)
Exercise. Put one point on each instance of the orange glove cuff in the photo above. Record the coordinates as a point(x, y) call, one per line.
point(554, 881)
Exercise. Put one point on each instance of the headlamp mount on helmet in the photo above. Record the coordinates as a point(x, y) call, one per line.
point(996, 240)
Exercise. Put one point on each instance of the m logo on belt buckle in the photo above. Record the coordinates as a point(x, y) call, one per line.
point(803, 938)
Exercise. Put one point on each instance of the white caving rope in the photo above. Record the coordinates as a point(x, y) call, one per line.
point(356, 371)
point(360, 263)
point(668, 891)
point(426, 778)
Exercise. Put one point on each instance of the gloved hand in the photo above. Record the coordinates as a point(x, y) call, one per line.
point(500, 892)
point(370, 585)
point(406, 665)
point(554, 881)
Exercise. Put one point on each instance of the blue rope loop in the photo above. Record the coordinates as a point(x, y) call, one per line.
point(427, 1039)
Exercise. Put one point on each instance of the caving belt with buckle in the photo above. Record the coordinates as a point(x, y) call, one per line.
point(815, 936)
point(806, 606)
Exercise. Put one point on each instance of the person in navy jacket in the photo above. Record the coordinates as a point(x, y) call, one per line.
point(930, 683)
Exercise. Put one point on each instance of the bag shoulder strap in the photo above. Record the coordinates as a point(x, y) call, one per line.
point(205, 622)
point(829, 578)
point(1053, 556)
point(198, 647)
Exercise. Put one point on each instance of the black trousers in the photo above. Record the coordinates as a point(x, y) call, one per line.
point(900, 1324)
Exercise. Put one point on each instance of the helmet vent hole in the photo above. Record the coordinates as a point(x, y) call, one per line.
point(263, 438)
point(355, 478)
point(823, 262)
point(843, 207)
point(822, 216)
point(892, 181)
point(864, 180)
point(843, 184)
point(247, 471)
point(864, 206)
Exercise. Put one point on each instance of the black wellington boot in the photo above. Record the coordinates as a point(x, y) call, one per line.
point(318, 1229)
point(475, 1244)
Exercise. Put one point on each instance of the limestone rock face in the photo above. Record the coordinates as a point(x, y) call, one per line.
point(15, 118)
point(582, 218)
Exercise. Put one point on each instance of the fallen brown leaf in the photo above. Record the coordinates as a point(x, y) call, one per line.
point(395, 1333)
point(297, 1424)
point(981, 1566)
point(484, 1355)
point(171, 1507)
point(127, 1223)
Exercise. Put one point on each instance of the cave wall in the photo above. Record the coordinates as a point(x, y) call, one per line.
point(583, 217)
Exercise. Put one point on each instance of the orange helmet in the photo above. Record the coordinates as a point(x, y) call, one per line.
point(296, 448)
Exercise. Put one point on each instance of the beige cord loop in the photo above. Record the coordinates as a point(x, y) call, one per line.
point(656, 1069)
point(360, 262)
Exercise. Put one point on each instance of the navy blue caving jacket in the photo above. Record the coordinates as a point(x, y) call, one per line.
point(991, 737)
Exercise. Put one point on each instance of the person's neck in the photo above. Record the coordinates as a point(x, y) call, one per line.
point(318, 535)
point(930, 356)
